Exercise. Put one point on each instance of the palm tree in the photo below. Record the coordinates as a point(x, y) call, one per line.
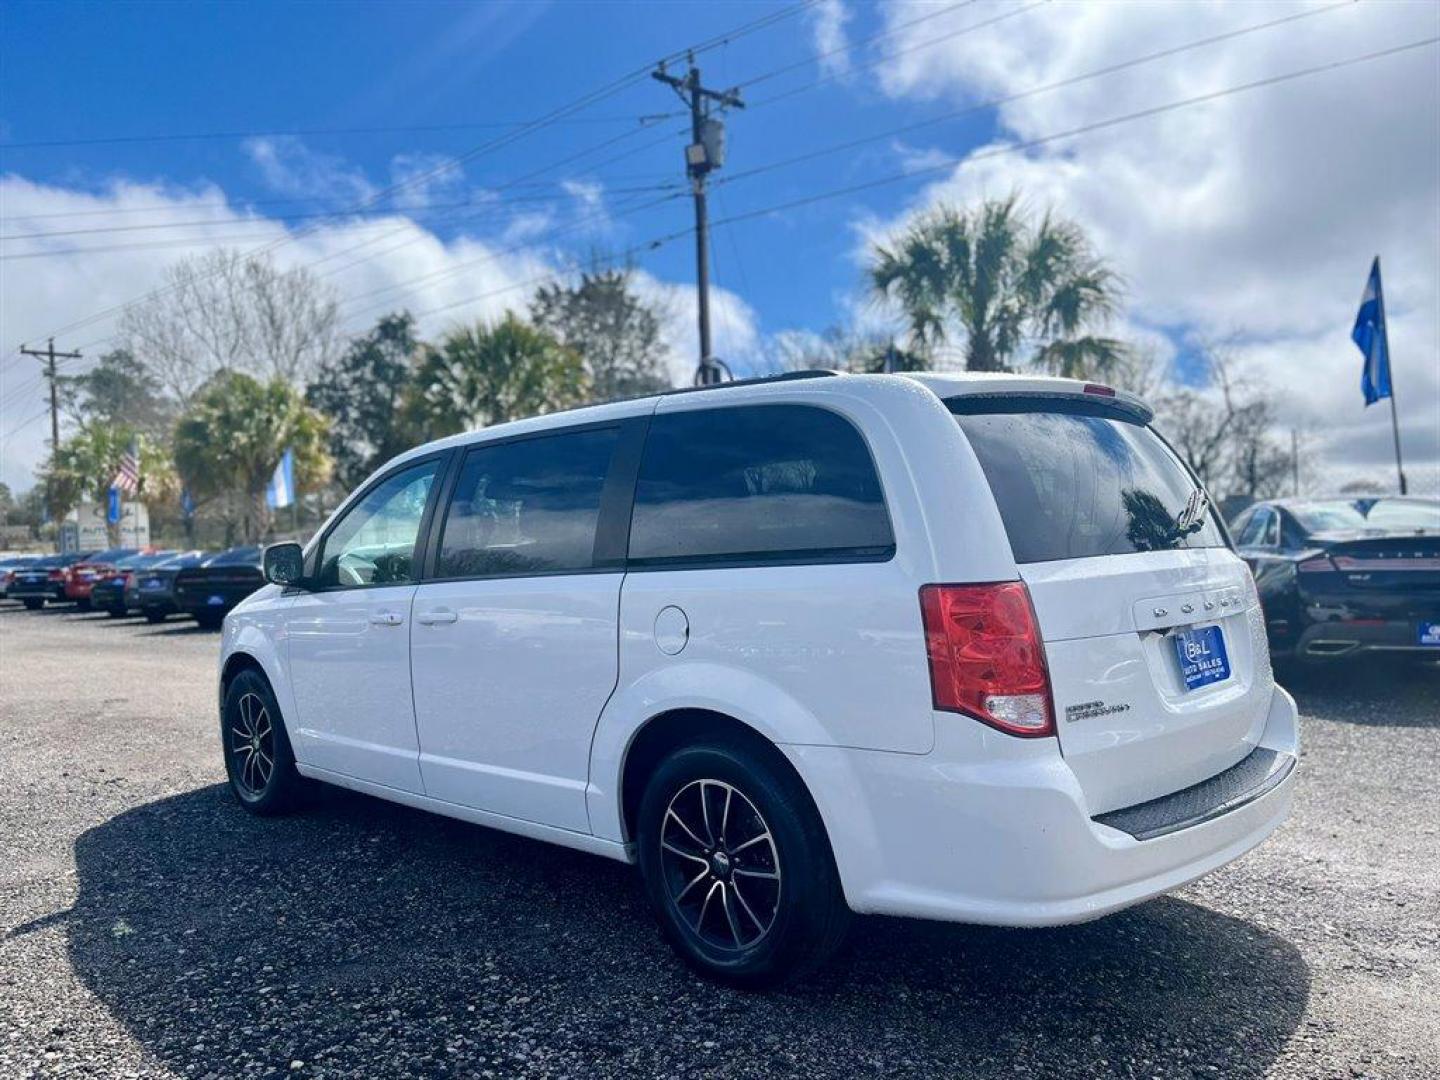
point(486, 374)
point(233, 435)
point(1003, 283)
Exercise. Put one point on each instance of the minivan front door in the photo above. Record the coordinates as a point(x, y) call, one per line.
point(514, 643)
point(349, 638)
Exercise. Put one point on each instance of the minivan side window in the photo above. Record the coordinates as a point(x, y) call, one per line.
point(527, 507)
point(755, 484)
point(374, 542)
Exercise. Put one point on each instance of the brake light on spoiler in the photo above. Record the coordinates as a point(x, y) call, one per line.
point(986, 657)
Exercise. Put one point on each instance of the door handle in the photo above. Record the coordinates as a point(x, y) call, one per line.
point(386, 618)
point(435, 617)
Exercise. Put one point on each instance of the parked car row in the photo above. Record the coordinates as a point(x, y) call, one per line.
point(203, 585)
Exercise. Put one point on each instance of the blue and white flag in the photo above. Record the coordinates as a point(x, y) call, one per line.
point(1369, 334)
point(281, 489)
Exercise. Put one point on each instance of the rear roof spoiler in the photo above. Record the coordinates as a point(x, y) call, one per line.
point(1094, 400)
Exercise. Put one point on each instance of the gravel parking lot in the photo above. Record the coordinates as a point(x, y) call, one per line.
point(148, 927)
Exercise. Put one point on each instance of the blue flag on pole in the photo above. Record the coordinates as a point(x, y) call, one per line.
point(112, 506)
point(281, 489)
point(1369, 334)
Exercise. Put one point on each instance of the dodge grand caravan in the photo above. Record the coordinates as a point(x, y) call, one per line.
point(958, 647)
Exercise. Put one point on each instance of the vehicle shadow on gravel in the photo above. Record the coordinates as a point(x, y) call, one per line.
point(364, 938)
point(1379, 691)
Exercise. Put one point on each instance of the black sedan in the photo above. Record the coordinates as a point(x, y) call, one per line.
point(109, 594)
point(43, 579)
point(207, 592)
point(152, 590)
point(1345, 576)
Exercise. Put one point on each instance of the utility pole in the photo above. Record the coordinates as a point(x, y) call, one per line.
point(49, 356)
point(705, 153)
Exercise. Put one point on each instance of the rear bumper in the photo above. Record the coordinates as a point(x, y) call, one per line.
point(1335, 638)
point(990, 829)
point(48, 591)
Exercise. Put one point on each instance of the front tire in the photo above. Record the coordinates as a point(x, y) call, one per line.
point(116, 612)
point(155, 615)
point(737, 866)
point(33, 603)
point(258, 760)
point(208, 620)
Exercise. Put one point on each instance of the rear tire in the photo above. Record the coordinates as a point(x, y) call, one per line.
point(82, 605)
point(154, 615)
point(208, 620)
point(33, 603)
point(750, 899)
point(258, 760)
point(117, 612)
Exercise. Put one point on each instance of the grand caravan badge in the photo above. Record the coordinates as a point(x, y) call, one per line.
point(1089, 710)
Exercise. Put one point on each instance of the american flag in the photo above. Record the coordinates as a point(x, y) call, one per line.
point(128, 478)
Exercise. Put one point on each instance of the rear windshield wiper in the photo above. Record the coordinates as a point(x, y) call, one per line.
point(1192, 518)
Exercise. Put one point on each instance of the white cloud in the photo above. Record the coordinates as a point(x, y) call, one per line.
point(828, 19)
point(734, 327)
point(424, 179)
point(376, 266)
point(289, 167)
point(1253, 217)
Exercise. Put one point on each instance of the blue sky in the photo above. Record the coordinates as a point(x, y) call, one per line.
point(1249, 220)
point(135, 69)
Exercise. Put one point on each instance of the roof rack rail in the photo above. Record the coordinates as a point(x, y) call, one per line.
point(784, 376)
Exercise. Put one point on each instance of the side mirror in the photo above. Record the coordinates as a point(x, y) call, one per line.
point(284, 564)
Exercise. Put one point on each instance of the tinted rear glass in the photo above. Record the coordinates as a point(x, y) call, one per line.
point(527, 507)
point(1077, 481)
point(757, 483)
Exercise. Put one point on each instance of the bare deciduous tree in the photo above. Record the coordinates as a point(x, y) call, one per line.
point(1224, 426)
point(224, 311)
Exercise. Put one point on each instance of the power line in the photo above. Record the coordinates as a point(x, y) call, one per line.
point(1007, 99)
point(1011, 148)
point(150, 226)
point(586, 100)
point(885, 58)
point(410, 129)
point(468, 218)
point(249, 204)
point(49, 356)
point(1029, 144)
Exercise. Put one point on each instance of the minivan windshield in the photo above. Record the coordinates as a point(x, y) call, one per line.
point(1077, 479)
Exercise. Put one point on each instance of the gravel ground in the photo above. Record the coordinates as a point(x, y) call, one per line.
point(148, 927)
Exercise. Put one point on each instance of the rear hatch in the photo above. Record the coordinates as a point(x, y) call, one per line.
point(1152, 630)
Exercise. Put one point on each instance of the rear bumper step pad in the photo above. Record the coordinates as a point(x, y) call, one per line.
point(1242, 783)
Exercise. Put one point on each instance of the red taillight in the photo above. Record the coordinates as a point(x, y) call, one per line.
point(986, 658)
point(1318, 565)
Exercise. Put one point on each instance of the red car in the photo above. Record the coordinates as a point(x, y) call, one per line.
point(81, 577)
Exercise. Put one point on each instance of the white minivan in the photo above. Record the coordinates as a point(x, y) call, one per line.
point(964, 647)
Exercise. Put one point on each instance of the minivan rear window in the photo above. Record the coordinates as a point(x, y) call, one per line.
point(755, 484)
point(1075, 480)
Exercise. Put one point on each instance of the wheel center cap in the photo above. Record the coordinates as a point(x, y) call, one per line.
point(255, 742)
point(720, 863)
